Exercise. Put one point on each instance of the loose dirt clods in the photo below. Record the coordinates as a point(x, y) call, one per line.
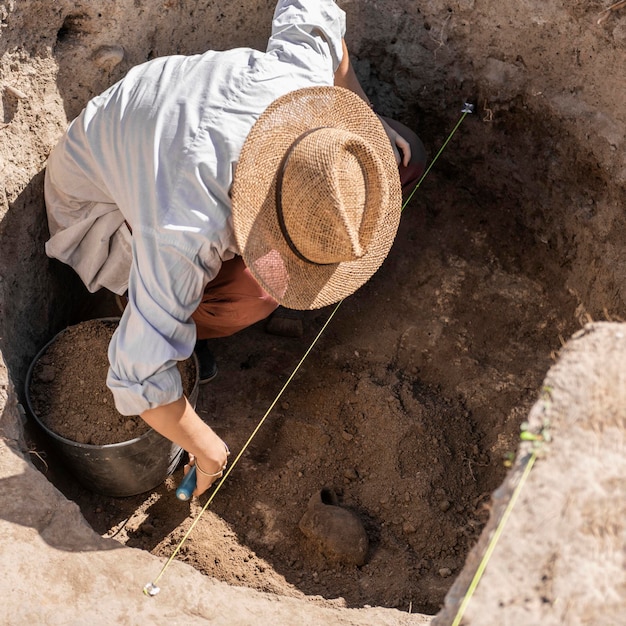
point(410, 406)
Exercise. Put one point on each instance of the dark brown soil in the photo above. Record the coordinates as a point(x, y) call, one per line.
point(68, 391)
point(408, 407)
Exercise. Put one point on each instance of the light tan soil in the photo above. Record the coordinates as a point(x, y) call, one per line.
point(411, 402)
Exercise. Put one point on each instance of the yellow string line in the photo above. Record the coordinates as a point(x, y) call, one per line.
point(494, 540)
point(430, 166)
point(284, 387)
point(241, 452)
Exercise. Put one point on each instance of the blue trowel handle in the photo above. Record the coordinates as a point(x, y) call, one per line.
point(187, 485)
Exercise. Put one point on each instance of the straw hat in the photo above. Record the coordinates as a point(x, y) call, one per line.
point(316, 197)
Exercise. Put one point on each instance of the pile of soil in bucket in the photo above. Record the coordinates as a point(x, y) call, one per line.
point(68, 389)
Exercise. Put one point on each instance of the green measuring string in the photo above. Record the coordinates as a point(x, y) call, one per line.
point(494, 540)
point(466, 111)
point(284, 387)
point(507, 513)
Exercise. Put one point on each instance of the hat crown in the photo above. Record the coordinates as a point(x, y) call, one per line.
point(331, 194)
point(296, 214)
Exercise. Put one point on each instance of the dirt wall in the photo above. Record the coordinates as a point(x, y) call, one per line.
point(541, 163)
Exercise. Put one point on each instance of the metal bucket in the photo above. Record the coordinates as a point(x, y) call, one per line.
point(116, 469)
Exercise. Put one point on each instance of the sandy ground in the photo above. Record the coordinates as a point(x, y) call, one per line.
point(410, 405)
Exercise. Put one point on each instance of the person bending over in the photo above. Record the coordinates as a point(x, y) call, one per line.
point(211, 188)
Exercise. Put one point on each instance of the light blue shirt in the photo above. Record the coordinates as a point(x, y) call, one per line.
point(158, 150)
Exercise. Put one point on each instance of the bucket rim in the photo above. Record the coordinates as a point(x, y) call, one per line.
point(90, 446)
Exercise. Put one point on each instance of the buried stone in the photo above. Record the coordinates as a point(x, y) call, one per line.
point(337, 533)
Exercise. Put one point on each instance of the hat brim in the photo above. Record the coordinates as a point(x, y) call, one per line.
point(291, 281)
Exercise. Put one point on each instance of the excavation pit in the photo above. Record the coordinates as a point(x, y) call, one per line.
point(409, 407)
point(410, 404)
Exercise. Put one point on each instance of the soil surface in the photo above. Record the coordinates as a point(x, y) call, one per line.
point(408, 407)
point(68, 391)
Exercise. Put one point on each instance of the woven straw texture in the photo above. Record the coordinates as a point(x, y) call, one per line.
point(344, 222)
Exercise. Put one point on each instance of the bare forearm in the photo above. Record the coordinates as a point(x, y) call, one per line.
point(181, 424)
point(345, 77)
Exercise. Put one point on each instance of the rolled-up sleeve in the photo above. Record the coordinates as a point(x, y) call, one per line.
point(191, 114)
point(305, 30)
point(155, 331)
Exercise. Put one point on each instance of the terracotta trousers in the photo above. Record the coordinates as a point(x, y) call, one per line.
point(233, 300)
